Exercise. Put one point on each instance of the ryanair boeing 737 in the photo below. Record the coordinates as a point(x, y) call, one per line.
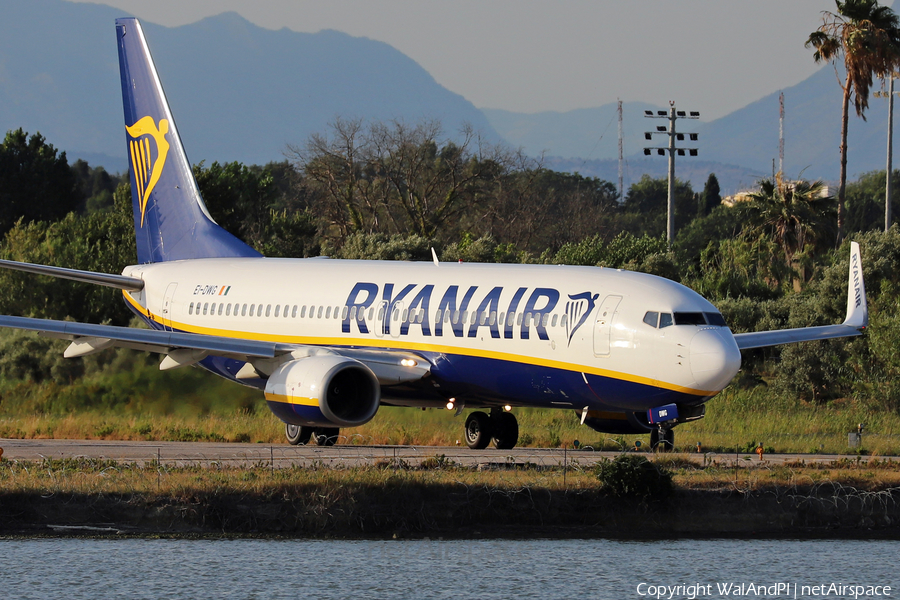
point(331, 341)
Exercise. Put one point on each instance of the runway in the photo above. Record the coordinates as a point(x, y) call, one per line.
point(284, 456)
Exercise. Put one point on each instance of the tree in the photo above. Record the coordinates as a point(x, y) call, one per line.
point(793, 214)
point(711, 196)
point(36, 183)
point(867, 36)
point(248, 203)
point(647, 201)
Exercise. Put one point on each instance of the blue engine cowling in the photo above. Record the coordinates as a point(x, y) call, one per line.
point(618, 422)
point(323, 391)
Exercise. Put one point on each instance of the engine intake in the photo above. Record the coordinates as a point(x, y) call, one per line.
point(324, 390)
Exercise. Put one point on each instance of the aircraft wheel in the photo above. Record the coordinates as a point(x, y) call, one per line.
point(296, 434)
point(478, 430)
point(669, 441)
point(326, 436)
point(506, 430)
point(663, 441)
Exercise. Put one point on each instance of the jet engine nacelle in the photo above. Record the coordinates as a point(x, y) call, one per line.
point(619, 423)
point(324, 391)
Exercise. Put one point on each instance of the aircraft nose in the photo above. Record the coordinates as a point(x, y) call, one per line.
point(715, 358)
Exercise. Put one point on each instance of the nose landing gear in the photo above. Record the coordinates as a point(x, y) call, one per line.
point(662, 438)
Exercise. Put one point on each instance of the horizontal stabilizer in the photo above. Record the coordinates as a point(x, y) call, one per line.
point(115, 281)
point(854, 324)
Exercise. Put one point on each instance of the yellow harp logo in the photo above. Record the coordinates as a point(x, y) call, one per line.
point(147, 160)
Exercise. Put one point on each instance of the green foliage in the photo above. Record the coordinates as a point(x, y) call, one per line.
point(35, 182)
point(625, 251)
point(101, 241)
point(865, 201)
point(633, 476)
point(648, 199)
point(378, 246)
point(250, 204)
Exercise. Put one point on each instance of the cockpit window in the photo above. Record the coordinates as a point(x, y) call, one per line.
point(665, 320)
point(689, 318)
point(716, 319)
point(651, 318)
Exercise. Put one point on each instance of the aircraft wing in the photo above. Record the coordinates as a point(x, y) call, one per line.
point(390, 367)
point(854, 324)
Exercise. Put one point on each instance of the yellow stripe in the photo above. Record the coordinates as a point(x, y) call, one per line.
point(394, 344)
point(292, 399)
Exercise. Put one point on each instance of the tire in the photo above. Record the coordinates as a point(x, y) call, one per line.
point(664, 442)
point(297, 435)
point(478, 430)
point(325, 436)
point(506, 431)
point(669, 441)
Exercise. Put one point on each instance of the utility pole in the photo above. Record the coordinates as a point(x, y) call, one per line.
point(888, 192)
point(672, 115)
point(621, 158)
point(781, 133)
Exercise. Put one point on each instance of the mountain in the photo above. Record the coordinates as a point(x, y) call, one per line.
point(749, 136)
point(238, 91)
point(587, 141)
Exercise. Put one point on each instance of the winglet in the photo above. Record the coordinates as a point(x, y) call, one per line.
point(857, 310)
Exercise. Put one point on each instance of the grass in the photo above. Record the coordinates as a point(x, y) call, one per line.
point(438, 498)
point(141, 403)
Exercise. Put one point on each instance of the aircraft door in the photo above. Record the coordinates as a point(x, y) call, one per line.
point(382, 320)
point(396, 319)
point(603, 324)
point(166, 311)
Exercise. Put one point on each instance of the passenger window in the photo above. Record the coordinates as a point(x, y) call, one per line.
point(252, 309)
point(493, 318)
point(545, 320)
point(268, 309)
point(344, 313)
point(191, 309)
point(227, 310)
point(221, 306)
point(294, 312)
point(651, 318)
point(564, 321)
point(665, 320)
point(328, 313)
point(277, 309)
point(212, 309)
point(553, 323)
point(519, 319)
point(205, 308)
point(244, 310)
point(319, 314)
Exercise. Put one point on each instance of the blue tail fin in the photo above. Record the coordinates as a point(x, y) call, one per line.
point(170, 219)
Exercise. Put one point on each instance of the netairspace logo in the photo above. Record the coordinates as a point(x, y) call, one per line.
point(693, 591)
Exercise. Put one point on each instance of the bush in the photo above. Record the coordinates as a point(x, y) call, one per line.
point(633, 476)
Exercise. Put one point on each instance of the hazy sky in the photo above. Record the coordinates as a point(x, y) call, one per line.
point(535, 55)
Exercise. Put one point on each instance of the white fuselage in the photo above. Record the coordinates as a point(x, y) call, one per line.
point(503, 330)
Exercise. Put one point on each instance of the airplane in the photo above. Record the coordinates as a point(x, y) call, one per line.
point(329, 342)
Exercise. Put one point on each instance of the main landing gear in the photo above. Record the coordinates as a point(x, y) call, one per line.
point(322, 436)
point(662, 439)
point(500, 426)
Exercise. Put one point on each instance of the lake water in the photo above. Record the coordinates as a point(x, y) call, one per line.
point(570, 569)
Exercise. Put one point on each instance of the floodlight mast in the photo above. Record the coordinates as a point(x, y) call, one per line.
point(672, 115)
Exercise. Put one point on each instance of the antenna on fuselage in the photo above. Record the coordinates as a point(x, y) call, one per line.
point(434, 256)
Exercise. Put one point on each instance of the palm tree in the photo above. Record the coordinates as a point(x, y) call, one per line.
point(867, 35)
point(795, 215)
